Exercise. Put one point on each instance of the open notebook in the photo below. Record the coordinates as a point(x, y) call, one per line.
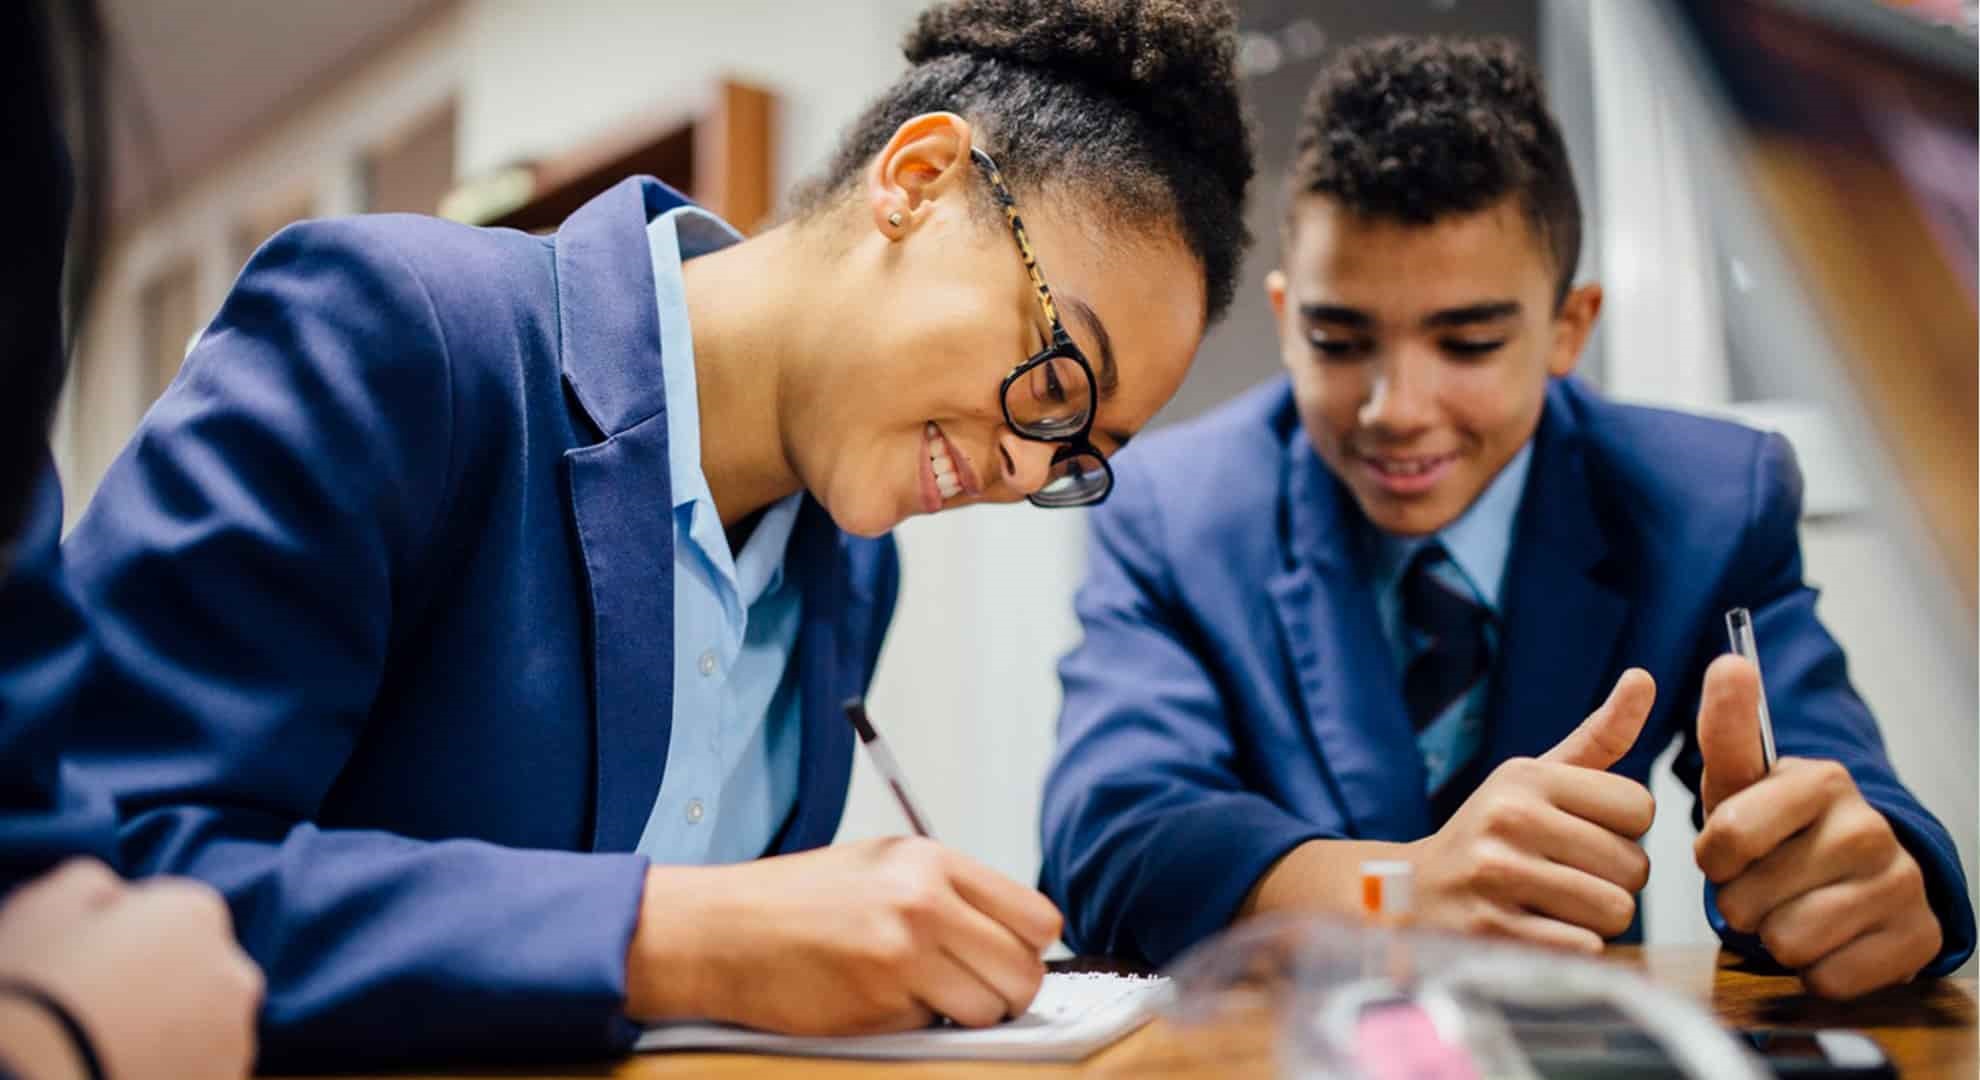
point(1073, 1016)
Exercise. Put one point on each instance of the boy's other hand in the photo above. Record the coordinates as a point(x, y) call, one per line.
point(1800, 858)
point(881, 935)
point(1546, 849)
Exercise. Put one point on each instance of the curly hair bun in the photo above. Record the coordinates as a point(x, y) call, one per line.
point(1174, 61)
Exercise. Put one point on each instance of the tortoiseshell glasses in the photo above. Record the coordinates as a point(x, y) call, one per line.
point(1050, 397)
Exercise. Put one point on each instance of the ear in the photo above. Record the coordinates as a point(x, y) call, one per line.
point(927, 158)
point(1572, 324)
point(1275, 294)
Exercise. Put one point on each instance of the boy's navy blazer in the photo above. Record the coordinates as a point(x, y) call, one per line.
point(1234, 695)
point(383, 589)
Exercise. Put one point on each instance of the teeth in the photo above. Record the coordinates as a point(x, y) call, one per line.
point(1407, 468)
point(945, 468)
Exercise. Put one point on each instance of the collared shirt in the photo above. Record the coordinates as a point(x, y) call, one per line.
point(1478, 542)
point(732, 757)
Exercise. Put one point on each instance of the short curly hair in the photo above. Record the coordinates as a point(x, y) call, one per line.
point(1132, 102)
point(1417, 129)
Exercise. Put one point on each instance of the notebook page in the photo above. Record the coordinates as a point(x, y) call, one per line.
point(1073, 1016)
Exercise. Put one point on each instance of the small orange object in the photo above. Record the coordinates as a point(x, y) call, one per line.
point(1385, 889)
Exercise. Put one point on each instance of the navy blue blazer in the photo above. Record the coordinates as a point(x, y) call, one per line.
point(45, 815)
point(384, 592)
point(1234, 696)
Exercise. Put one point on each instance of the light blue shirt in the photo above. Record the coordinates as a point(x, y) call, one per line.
point(1478, 542)
point(732, 757)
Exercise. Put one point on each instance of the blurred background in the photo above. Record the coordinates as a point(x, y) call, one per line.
point(1781, 200)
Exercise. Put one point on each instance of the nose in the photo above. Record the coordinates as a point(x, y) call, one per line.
point(1027, 463)
point(1401, 398)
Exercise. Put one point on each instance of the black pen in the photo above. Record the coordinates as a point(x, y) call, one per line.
point(890, 770)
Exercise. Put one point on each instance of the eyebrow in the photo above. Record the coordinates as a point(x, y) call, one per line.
point(1335, 313)
point(1109, 374)
point(1445, 319)
point(1473, 313)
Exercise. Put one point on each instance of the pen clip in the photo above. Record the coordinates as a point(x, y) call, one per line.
point(1739, 627)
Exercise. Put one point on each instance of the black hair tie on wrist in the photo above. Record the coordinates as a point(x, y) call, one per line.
point(50, 1004)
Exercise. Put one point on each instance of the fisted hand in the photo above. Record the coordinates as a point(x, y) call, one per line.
point(881, 935)
point(1800, 858)
point(150, 969)
point(1546, 849)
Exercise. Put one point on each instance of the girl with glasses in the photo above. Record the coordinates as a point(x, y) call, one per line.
point(478, 607)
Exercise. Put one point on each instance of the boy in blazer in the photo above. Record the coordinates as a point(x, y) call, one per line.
point(1388, 606)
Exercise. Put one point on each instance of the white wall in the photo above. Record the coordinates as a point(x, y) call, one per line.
point(967, 689)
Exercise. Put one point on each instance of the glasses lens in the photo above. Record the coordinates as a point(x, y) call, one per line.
point(1077, 479)
point(1053, 399)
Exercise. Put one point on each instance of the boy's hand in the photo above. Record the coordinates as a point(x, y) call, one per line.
point(1546, 849)
point(882, 935)
point(1800, 858)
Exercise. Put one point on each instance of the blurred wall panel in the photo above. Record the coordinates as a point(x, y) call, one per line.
point(411, 171)
point(169, 309)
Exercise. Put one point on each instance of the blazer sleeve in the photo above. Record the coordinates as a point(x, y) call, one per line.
point(248, 561)
point(45, 815)
point(1151, 838)
point(1816, 712)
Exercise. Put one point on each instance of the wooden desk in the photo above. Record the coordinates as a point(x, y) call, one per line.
point(1928, 1031)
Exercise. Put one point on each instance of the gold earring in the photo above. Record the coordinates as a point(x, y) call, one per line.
point(894, 219)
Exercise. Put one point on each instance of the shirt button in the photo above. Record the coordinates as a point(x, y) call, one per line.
point(694, 811)
point(708, 662)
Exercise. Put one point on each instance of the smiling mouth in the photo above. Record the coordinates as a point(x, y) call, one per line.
point(1406, 475)
point(948, 468)
point(1406, 467)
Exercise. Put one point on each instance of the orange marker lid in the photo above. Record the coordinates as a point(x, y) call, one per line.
point(1385, 889)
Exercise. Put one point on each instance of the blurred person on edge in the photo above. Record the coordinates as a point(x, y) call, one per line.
point(97, 977)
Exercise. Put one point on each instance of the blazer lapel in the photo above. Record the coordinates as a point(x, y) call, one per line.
point(621, 496)
point(1563, 611)
point(1347, 680)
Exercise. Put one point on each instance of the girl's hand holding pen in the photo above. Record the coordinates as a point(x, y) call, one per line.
point(880, 935)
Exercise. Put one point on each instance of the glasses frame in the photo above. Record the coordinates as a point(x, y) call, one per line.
point(1060, 345)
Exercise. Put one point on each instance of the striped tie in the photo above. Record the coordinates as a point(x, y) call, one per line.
point(1450, 631)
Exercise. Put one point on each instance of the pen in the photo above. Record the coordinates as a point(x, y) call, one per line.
point(1739, 627)
point(890, 770)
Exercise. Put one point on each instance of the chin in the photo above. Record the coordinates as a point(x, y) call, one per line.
point(862, 518)
point(1407, 519)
